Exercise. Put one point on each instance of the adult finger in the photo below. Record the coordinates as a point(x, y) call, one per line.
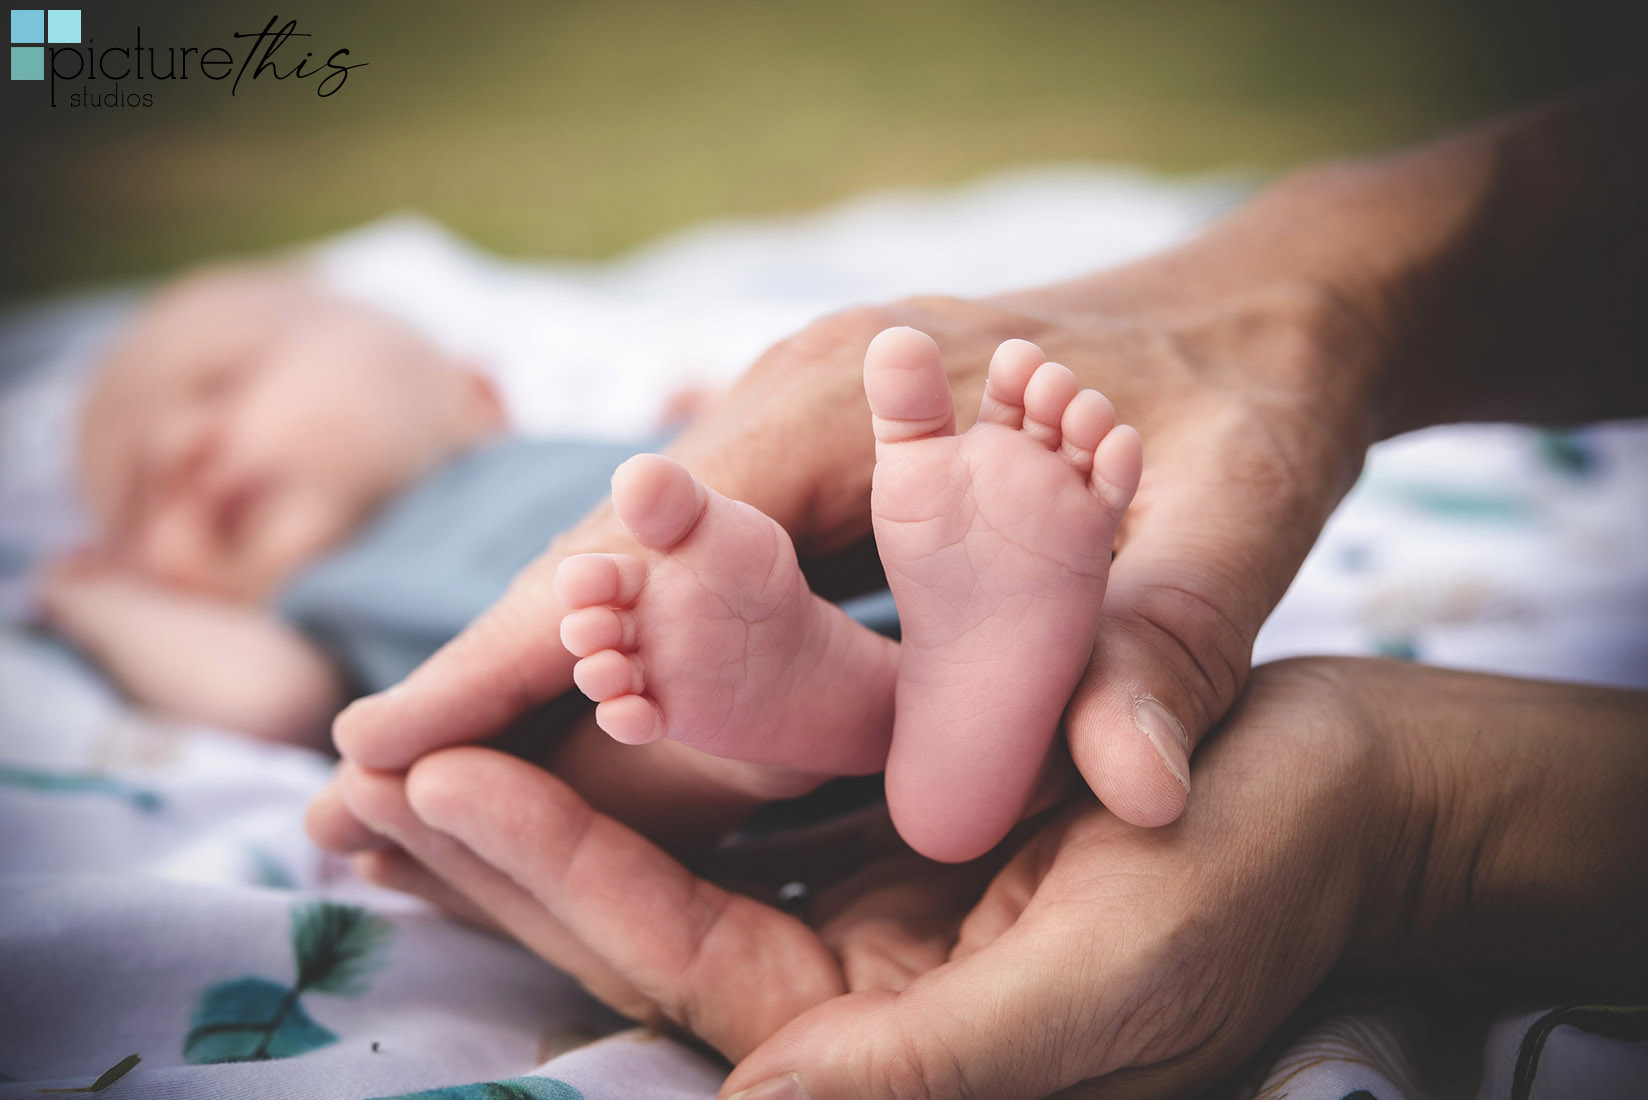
point(1204, 561)
point(379, 799)
point(333, 826)
point(393, 869)
point(683, 799)
point(505, 663)
point(725, 967)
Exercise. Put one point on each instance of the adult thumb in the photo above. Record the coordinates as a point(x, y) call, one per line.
point(1167, 664)
point(507, 662)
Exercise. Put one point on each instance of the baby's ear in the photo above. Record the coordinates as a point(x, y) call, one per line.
point(486, 404)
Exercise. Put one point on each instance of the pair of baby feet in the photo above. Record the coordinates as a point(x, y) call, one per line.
point(996, 545)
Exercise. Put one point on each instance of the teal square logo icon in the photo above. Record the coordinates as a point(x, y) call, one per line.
point(28, 63)
point(28, 26)
point(63, 25)
point(31, 29)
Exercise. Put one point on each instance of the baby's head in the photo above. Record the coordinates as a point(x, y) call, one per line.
point(248, 421)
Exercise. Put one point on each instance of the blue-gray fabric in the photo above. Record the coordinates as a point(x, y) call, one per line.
point(443, 551)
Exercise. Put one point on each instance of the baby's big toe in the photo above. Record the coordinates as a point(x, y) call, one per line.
point(907, 389)
point(657, 499)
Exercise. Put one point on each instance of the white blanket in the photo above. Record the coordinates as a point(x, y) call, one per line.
point(158, 897)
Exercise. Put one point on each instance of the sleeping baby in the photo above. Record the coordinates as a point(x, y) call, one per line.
point(297, 499)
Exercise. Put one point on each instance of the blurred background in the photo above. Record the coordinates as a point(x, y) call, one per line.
point(576, 129)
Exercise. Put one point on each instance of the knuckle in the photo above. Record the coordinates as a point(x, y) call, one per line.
point(845, 332)
point(900, 1073)
point(928, 305)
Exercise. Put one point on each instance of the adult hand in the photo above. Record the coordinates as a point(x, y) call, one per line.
point(1355, 813)
point(1358, 814)
point(635, 927)
point(1153, 960)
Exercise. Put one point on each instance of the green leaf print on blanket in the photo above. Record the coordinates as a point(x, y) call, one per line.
point(109, 1077)
point(335, 947)
point(515, 1088)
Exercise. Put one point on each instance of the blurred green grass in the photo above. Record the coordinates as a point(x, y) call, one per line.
point(576, 129)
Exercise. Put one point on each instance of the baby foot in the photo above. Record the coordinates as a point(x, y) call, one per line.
point(717, 642)
point(997, 546)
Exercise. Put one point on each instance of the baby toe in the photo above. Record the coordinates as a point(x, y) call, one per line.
point(585, 580)
point(592, 629)
point(632, 719)
point(1046, 395)
point(607, 675)
point(1087, 419)
point(1118, 462)
point(1010, 370)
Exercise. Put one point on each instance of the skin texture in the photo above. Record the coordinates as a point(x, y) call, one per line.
point(1345, 303)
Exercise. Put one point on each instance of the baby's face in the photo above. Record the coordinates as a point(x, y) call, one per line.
point(249, 422)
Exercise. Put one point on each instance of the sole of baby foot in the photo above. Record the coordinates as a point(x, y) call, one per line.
point(997, 546)
point(715, 641)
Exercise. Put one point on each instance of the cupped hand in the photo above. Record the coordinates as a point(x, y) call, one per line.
point(637, 928)
point(1112, 961)
point(1253, 404)
point(1129, 962)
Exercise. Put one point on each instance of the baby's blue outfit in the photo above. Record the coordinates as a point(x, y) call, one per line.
point(445, 550)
